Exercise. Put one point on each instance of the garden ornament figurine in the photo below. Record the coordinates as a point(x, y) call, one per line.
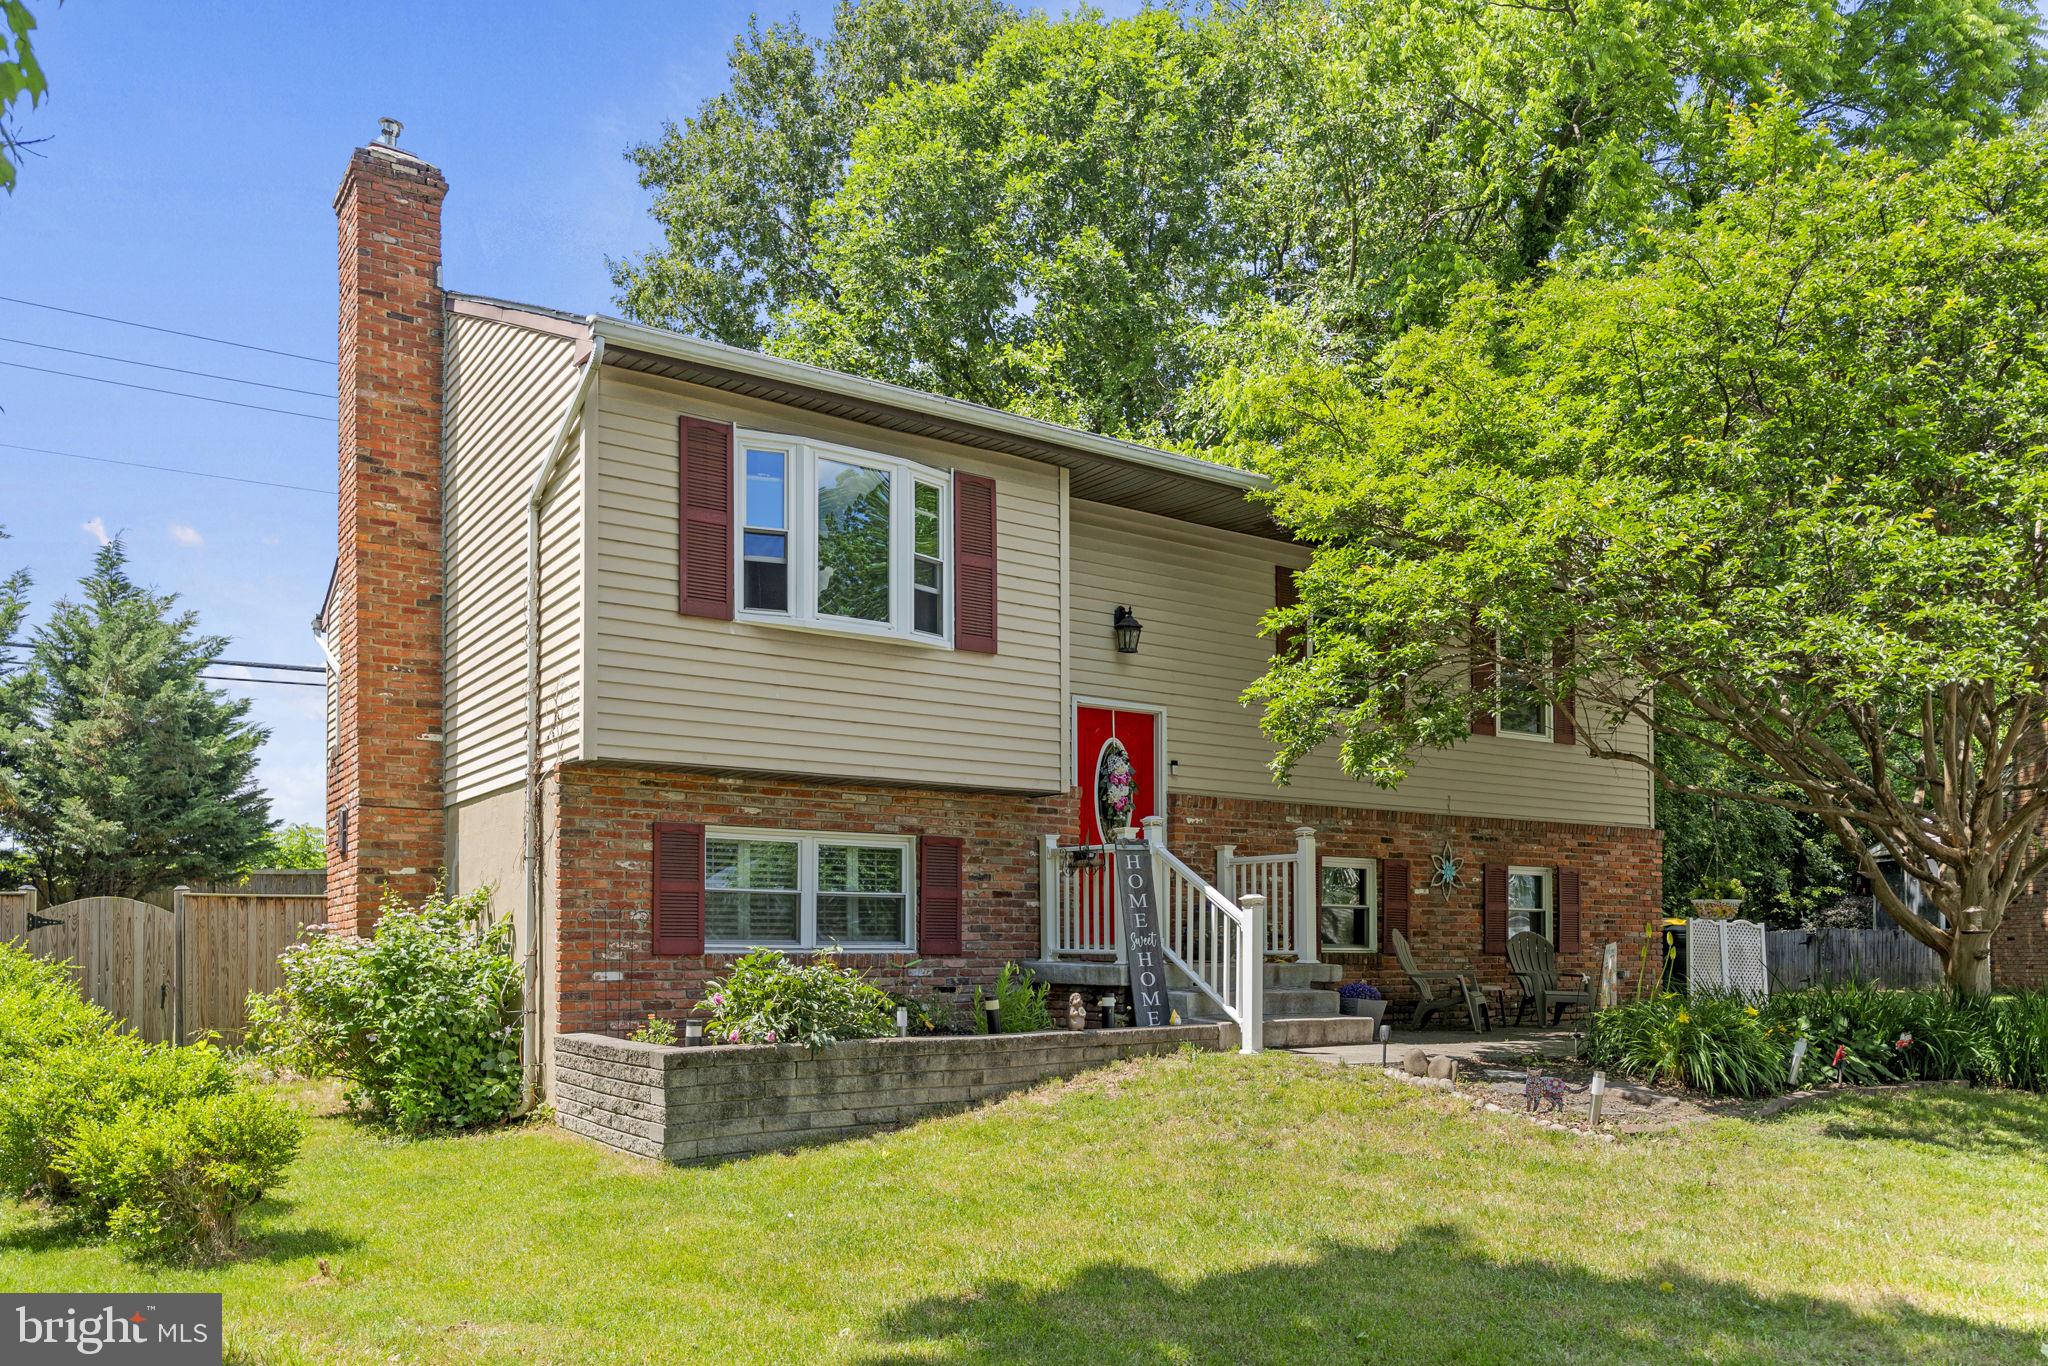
point(1541, 1093)
point(1077, 1013)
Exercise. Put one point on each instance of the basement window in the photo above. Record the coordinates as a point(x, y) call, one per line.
point(774, 889)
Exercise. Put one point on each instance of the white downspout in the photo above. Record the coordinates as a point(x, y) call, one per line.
point(530, 909)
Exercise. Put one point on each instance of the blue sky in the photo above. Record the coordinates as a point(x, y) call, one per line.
point(188, 179)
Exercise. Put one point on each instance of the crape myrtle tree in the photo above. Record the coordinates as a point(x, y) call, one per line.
point(121, 771)
point(1779, 489)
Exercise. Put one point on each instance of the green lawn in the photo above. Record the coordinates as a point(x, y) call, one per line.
point(1197, 1208)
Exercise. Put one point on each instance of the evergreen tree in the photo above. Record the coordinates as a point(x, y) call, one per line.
point(120, 770)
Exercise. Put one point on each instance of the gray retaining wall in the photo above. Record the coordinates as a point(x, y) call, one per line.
point(702, 1104)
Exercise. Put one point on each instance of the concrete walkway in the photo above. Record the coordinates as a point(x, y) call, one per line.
point(1501, 1048)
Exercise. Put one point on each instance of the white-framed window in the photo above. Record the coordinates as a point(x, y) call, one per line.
point(1532, 902)
point(780, 889)
point(1523, 708)
point(1348, 904)
point(841, 539)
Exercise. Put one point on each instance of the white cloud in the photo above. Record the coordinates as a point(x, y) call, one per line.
point(98, 528)
point(187, 535)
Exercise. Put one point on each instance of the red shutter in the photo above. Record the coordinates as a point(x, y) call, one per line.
point(1493, 919)
point(1287, 593)
point(1393, 898)
point(938, 895)
point(1567, 908)
point(1483, 701)
point(678, 888)
point(1564, 728)
point(704, 510)
point(974, 563)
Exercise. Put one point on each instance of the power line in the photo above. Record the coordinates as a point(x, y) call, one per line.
point(167, 469)
point(175, 393)
point(259, 664)
point(174, 369)
point(276, 682)
point(169, 331)
point(218, 663)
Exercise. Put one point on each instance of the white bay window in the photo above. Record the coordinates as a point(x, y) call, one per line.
point(775, 889)
point(841, 539)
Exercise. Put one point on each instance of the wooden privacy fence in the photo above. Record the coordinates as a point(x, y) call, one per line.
point(171, 973)
point(1885, 955)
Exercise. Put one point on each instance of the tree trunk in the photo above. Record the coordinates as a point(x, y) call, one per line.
point(1968, 966)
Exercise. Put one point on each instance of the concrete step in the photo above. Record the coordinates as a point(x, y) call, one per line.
point(1321, 1031)
point(1301, 976)
point(1289, 1005)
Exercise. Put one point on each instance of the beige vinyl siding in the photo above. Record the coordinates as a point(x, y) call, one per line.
point(1200, 594)
point(506, 387)
point(670, 689)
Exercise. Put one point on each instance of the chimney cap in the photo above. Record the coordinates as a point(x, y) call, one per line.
point(388, 130)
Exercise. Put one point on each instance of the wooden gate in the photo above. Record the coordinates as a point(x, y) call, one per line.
point(171, 973)
point(123, 954)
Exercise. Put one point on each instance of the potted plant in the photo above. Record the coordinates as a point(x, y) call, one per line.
point(1362, 998)
point(1718, 898)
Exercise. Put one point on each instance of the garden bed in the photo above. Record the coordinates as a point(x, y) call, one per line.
point(711, 1102)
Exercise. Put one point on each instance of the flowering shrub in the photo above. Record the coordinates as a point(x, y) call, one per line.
point(1360, 991)
point(766, 998)
point(420, 1021)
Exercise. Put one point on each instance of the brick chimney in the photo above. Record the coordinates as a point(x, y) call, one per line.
point(383, 622)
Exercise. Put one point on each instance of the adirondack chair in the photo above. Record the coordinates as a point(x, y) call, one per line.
point(1436, 988)
point(1535, 967)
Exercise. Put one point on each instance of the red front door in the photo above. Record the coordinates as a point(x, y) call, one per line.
point(1118, 755)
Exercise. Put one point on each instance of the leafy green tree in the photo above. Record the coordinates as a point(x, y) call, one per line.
point(1090, 221)
point(289, 846)
point(21, 77)
point(736, 184)
point(124, 771)
point(1778, 492)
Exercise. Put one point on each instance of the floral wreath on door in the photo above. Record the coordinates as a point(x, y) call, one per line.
point(1116, 788)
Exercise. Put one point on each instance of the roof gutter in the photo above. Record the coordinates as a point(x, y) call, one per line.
point(661, 342)
point(530, 906)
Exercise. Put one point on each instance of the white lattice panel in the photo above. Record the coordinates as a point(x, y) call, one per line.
point(1726, 955)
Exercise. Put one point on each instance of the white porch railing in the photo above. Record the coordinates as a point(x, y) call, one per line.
point(1288, 883)
point(1213, 941)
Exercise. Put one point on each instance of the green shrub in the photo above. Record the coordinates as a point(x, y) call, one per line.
point(172, 1178)
point(420, 1021)
point(46, 1098)
point(1020, 1003)
point(1719, 1044)
point(2018, 1027)
point(1888, 1036)
point(40, 1006)
point(657, 1030)
point(766, 998)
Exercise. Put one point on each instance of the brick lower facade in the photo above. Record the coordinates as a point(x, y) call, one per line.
point(1620, 869)
point(608, 979)
point(603, 853)
point(2019, 947)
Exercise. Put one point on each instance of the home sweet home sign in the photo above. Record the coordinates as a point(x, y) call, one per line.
point(1137, 899)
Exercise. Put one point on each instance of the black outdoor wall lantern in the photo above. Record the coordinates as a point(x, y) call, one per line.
point(1127, 628)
